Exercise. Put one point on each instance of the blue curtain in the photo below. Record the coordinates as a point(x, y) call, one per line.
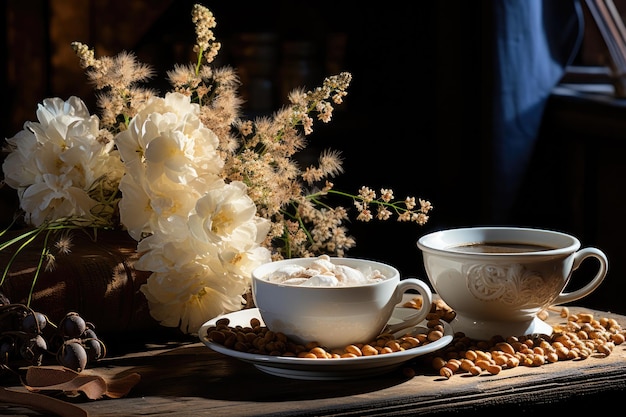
point(534, 41)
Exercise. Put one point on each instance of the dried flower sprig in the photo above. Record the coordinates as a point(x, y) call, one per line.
point(206, 45)
point(208, 194)
point(117, 78)
point(406, 210)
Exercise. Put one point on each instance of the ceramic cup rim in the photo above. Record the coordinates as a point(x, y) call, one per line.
point(440, 242)
point(389, 271)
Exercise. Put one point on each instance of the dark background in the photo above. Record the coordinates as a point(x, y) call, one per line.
point(417, 117)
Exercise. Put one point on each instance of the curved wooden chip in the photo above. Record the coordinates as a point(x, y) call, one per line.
point(41, 402)
point(120, 387)
point(71, 383)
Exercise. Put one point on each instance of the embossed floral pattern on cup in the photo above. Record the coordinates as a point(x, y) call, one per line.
point(510, 284)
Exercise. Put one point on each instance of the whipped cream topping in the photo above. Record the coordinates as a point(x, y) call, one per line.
point(323, 273)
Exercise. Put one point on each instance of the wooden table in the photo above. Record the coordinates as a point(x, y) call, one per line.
point(192, 380)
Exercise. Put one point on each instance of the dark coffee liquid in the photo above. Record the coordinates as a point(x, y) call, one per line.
point(500, 247)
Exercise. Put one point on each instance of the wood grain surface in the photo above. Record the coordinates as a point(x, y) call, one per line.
point(191, 379)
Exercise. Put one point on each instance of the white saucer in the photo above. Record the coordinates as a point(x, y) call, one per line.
point(486, 329)
point(324, 369)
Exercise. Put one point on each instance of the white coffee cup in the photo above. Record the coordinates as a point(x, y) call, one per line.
point(336, 316)
point(499, 290)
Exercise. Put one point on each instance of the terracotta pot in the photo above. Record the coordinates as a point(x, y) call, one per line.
point(96, 279)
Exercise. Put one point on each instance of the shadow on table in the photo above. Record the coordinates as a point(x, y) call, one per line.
point(196, 371)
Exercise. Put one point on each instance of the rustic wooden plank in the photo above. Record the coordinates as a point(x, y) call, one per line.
point(199, 381)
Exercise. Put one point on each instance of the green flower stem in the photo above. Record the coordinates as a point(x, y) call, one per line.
point(44, 252)
point(302, 227)
point(318, 202)
point(8, 243)
point(29, 236)
point(199, 63)
point(394, 205)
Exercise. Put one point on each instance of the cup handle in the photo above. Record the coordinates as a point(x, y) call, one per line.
point(579, 257)
point(427, 300)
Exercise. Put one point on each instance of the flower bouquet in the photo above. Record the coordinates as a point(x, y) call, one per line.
point(204, 194)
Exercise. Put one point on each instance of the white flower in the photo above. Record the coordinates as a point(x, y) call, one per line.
point(187, 298)
point(200, 236)
point(213, 257)
point(55, 197)
point(185, 292)
point(171, 160)
point(167, 138)
point(55, 162)
point(227, 213)
point(157, 206)
point(161, 254)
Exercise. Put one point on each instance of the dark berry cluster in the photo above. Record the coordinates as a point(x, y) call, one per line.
point(28, 336)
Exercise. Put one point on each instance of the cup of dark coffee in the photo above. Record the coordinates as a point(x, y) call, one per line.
point(497, 279)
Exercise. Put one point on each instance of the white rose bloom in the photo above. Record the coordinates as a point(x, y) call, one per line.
point(199, 236)
point(20, 166)
point(55, 162)
point(134, 207)
point(55, 198)
point(168, 139)
point(162, 206)
point(241, 264)
point(171, 159)
point(185, 152)
point(213, 259)
point(191, 296)
point(162, 254)
point(227, 214)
